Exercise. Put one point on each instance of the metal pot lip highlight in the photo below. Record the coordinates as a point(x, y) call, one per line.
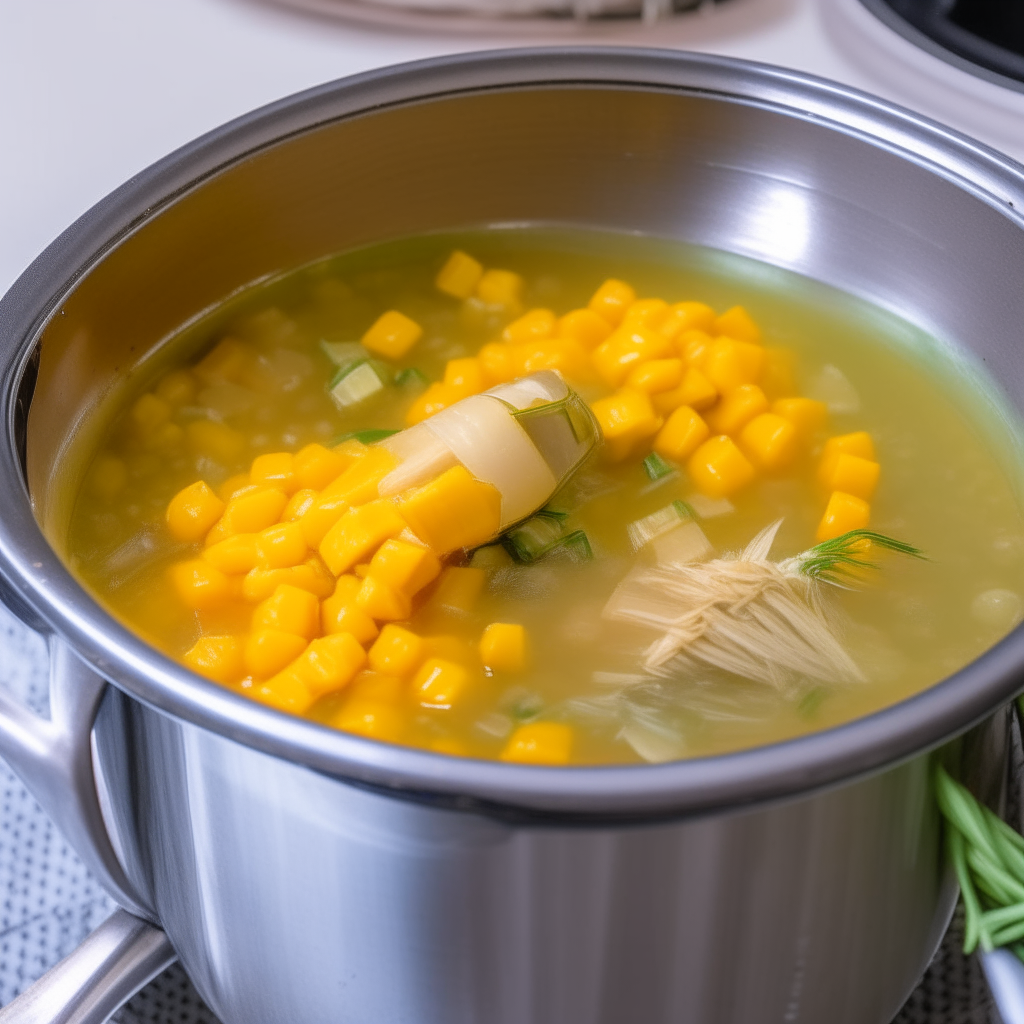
point(45, 592)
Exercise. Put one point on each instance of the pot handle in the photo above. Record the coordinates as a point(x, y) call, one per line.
point(53, 757)
point(120, 957)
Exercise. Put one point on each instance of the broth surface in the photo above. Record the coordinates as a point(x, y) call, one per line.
point(948, 485)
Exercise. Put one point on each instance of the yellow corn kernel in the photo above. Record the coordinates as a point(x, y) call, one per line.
point(249, 511)
point(199, 584)
point(340, 614)
point(321, 515)
point(373, 719)
point(655, 376)
point(149, 412)
point(843, 513)
point(316, 466)
point(778, 375)
point(392, 335)
point(584, 326)
point(536, 325)
point(539, 743)
point(225, 361)
point(459, 276)
point(193, 511)
point(437, 397)
point(466, 376)
point(611, 300)
point(503, 647)
point(177, 388)
point(683, 432)
point(687, 316)
point(347, 587)
point(626, 415)
point(165, 439)
point(397, 652)
point(329, 662)
point(718, 468)
point(216, 440)
point(362, 570)
point(287, 691)
point(298, 505)
point(234, 555)
point(311, 575)
point(108, 477)
point(729, 363)
point(218, 658)
point(275, 470)
point(737, 409)
point(566, 355)
point(624, 349)
point(692, 344)
point(453, 511)
point(858, 443)
point(290, 610)
point(351, 451)
point(498, 362)
point(233, 484)
point(404, 566)
point(806, 414)
point(452, 648)
point(358, 533)
point(737, 323)
point(853, 475)
point(500, 288)
point(381, 689)
point(267, 651)
point(439, 683)
point(645, 313)
point(358, 483)
point(769, 441)
point(458, 590)
point(281, 546)
point(381, 602)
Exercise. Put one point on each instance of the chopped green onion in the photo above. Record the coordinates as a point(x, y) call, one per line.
point(534, 538)
point(355, 383)
point(577, 546)
point(364, 436)
point(411, 377)
point(643, 530)
point(343, 353)
point(656, 467)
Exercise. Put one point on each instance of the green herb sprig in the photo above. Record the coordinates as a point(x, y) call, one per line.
point(838, 561)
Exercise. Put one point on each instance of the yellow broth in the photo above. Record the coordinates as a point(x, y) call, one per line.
point(949, 485)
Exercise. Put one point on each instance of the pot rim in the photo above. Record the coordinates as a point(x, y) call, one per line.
point(37, 585)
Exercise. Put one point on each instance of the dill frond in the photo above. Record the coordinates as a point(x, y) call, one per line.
point(839, 561)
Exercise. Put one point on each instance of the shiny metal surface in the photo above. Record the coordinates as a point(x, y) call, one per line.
point(115, 961)
point(305, 874)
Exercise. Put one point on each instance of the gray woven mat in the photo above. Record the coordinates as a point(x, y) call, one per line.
point(50, 903)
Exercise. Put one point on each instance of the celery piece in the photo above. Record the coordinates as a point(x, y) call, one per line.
point(656, 467)
point(640, 531)
point(354, 384)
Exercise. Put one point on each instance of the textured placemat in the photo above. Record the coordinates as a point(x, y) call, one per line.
point(50, 903)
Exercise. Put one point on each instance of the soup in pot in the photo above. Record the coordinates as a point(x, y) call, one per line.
point(557, 498)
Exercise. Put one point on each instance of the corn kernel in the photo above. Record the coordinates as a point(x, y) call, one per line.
point(656, 375)
point(437, 397)
point(692, 345)
point(466, 376)
point(108, 476)
point(459, 276)
point(329, 662)
point(843, 513)
point(351, 450)
point(858, 443)
point(404, 566)
point(225, 361)
point(149, 412)
point(500, 288)
point(347, 587)
point(216, 440)
point(729, 364)
point(397, 651)
point(683, 432)
point(566, 355)
point(199, 584)
point(193, 511)
point(853, 475)
point(298, 505)
point(165, 439)
point(718, 468)
point(281, 546)
point(458, 590)
point(536, 325)
point(267, 651)
point(453, 511)
point(234, 555)
point(392, 335)
point(249, 511)
point(611, 300)
point(439, 683)
point(321, 515)
point(311, 575)
point(358, 533)
point(624, 349)
point(503, 647)
point(806, 414)
point(218, 658)
point(769, 441)
point(539, 743)
point(381, 602)
point(177, 388)
point(778, 375)
point(498, 362)
point(373, 719)
point(233, 484)
point(377, 687)
point(627, 414)
point(649, 313)
point(340, 614)
point(687, 316)
point(584, 326)
point(358, 483)
point(737, 323)
point(316, 466)
point(286, 691)
point(290, 610)
point(275, 470)
point(362, 570)
point(737, 409)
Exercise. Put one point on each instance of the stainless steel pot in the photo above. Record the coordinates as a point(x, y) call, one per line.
point(307, 875)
